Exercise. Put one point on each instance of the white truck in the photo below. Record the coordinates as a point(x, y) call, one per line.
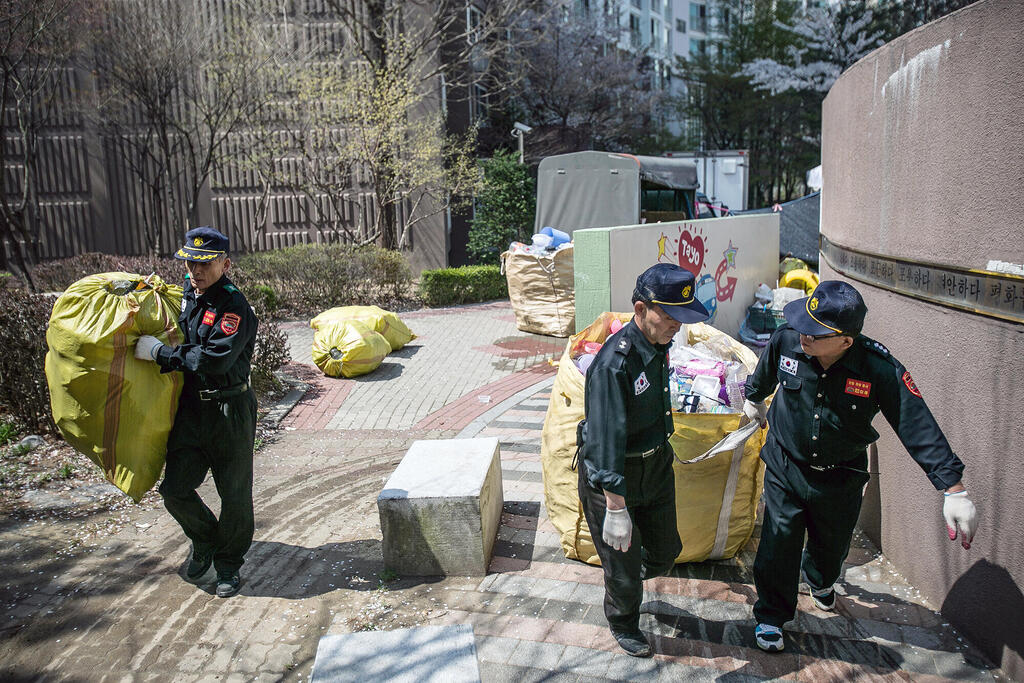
point(724, 176)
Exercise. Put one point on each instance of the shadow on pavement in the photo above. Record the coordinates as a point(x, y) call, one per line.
point(282, 570)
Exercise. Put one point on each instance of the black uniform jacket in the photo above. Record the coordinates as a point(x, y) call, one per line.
point(627, 405)
point(823, 417)
point(220, 337)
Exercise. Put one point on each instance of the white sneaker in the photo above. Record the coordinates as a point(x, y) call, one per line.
point(769, 638)
point(825, 598)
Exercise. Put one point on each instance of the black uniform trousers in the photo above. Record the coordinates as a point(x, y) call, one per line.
point(213, 436)
point(651, 502)
point(798, 499)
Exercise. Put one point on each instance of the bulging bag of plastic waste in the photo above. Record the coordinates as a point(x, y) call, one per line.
point(542, 290)
point(109, 405)
point(386, 323)
point(348, 348)
point(716, 497)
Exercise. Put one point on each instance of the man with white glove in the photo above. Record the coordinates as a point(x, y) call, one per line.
point(756, 412)
point(147, 347)
point(832, 381)
point(961, 516)
point(626, 482)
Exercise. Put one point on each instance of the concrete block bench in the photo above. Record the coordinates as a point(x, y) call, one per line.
point(440, 509)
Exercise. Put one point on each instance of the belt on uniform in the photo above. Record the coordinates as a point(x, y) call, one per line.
point(226, 392)
point(837, 466)
point(647, 453)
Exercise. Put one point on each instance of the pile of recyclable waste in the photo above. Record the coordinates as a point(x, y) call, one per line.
point(796, 280)
point(541, 283)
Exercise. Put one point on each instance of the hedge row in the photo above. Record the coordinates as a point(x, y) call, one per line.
point(463, 285)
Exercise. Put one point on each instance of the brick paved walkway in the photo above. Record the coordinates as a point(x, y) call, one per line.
point(463, 360)
point(538, 616)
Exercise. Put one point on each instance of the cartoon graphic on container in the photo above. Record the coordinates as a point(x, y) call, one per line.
point(706, 295)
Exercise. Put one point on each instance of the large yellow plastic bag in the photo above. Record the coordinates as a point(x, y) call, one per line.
point(377, 319)
point(348, 348)
point(716, 499)
point(109, 405)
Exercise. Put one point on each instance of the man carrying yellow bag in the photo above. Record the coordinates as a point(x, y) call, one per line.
point(626, 482)
point(215, 427)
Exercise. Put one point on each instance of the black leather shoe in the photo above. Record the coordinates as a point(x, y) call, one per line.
point(648, 573)
point(228, 584)
point(198, 566)
point(634, 643)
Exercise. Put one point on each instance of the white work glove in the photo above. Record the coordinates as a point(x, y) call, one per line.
point(618, 529)
point(756, 412)
point(961, 516)
point(147, 347)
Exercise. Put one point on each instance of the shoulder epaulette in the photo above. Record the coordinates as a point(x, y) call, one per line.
point(623, 345)
point(876, 347)
point(231, 288)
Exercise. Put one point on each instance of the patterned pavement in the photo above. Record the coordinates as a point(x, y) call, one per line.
point(538, 616)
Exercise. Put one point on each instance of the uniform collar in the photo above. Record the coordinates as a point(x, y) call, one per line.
point(212, 291)
point(854, 356)
point(646, 349)
point(852, 359)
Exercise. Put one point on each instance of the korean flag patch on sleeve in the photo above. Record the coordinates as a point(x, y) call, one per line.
point(787, 364)
point(641, 384)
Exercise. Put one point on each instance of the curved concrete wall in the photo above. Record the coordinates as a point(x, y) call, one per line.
point(923, 159)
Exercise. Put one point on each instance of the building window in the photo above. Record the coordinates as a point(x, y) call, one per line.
point(681, 25)
point(474, 17)
point(699, 17)
point(583, 8)
point(698, 47)
point(634, 30)
point(478, 104)
point(655, 35)
point(638, 4)
point(656, 6)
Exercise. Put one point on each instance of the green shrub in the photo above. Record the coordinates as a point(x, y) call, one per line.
point(55, 276)
point(265, 296)
point(504, 208)
point(463, 285)
point(271, 351)
point(8, 431)
point(23, 391)
point(311, 277)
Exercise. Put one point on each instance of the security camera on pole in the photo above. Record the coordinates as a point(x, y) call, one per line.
point(518, 130)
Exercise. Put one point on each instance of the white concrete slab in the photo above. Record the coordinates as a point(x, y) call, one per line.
point(426, 654)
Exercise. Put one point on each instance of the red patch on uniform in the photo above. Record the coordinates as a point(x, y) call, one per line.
point(229, 323)
point(909, 381)
point(209, 317)
point(858, 387)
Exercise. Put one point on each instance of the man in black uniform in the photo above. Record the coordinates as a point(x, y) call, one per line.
point(834, 381)
point(215, 427)
point(626, 483)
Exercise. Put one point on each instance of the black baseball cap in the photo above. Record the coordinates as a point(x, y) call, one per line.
point(203, 244)
point(674, 289)
point(834, 307)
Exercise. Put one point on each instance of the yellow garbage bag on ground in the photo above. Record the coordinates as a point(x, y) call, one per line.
point(374, 317)
point(348, 348)
point(109, 405)
point(542, 291)
point(716, 498)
